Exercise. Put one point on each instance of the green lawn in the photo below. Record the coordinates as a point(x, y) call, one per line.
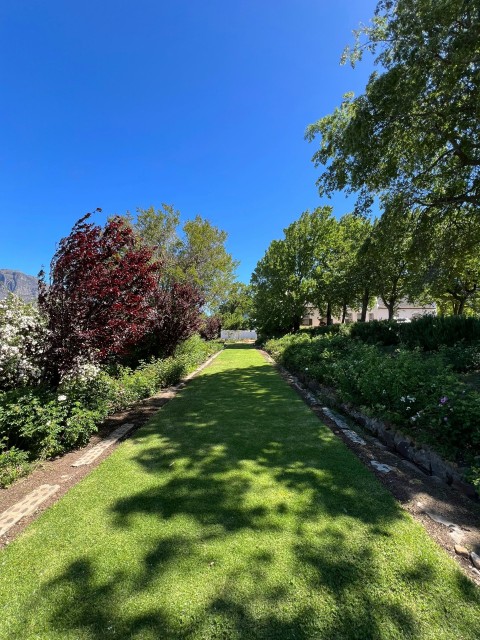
point(233, 514)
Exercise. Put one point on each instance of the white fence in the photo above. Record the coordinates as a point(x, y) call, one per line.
point(240, 334)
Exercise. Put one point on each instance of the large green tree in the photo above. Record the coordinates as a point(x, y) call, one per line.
point(447, 253)
point(350, 281)
point(193, 254)
point(236, 311)
point(415, 130)
point(390, 246)
point(283, 281)
point(203, 260)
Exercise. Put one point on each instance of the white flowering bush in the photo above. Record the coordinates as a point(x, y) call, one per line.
point(40, 422)
point(23, 338)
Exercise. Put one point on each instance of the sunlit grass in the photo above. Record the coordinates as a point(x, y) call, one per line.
point(233, 514)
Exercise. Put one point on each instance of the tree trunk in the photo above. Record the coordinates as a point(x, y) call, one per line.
point(329, 314)
point(365, 299)
point(391, 310)
point(461, 306)
point(296, 325)
point(344, 312)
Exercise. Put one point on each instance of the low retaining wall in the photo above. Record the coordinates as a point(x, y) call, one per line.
point(422, 456)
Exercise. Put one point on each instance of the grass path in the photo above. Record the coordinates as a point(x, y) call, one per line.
point(233, 514)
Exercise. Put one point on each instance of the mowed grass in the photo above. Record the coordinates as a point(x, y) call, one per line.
point(233, 514)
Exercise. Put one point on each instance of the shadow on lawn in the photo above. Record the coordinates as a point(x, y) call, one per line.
point(252, 481)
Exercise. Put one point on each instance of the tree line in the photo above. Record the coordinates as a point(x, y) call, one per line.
point(335, 264)
point(410, 142)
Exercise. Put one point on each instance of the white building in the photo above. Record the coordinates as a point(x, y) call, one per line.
point(405, 312)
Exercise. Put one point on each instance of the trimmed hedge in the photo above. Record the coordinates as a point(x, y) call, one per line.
point(428, 333)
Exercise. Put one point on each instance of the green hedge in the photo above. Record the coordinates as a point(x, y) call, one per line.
point(38, 423)
point(428, 333)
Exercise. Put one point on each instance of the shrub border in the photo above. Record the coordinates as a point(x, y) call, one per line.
point(422, 456)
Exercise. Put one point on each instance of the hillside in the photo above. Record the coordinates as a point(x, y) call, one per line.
point(21, 284)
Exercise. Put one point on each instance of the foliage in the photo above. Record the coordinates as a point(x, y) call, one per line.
point(447, 257)
point(384, 332)
point(175, 317)
point(418, 392)
point(430, 332)
point(211, 326)
point(39, 422)
point(236, 311)
point(22, 343)
point(413, 133)
point(98, 300)
point(158, 229)
point(193, 254)
point(13, 465)
point(204, 261)
point(390, 248)
point(294, 273)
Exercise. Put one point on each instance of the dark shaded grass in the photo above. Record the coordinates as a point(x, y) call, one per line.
point(233, 514)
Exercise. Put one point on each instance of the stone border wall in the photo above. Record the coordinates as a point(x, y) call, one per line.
point(421, 455)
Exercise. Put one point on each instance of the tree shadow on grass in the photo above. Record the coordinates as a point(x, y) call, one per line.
point(258, 523)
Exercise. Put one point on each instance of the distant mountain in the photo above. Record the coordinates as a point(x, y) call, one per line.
point(23, 286)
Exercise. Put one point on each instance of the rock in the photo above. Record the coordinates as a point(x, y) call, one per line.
point(23, 286)
point(421, 458)
point(438, 466)
point(456, 534)
point(354, 437)
point(409, 465)
point(383, 468)
point(336, 418)
point(388, 437)
point(465, 487)
point(475, 559)
point(461, 551)
point(403, 447)
point(437, 517)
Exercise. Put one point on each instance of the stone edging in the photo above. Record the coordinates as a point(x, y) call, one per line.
point(33, 503)
point(422, 456)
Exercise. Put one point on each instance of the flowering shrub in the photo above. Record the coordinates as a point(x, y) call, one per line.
point(22, 343)
point(419, 392)
point(39, 422)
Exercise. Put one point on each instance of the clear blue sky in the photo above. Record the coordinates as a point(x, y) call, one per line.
point(121, 104)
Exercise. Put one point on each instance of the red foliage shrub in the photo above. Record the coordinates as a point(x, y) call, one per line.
point(211, 327)
point(176, 317)
point(99, 299)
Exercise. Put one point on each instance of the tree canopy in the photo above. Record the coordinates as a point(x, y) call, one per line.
point(193, 254)
point(415, 130)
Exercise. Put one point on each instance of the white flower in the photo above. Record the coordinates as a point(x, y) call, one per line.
point(61, 398)
point(22, 340)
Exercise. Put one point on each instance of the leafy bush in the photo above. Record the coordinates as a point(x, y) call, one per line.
point(13, 464)
point(40, 423)
point(210, 329)
point(22, 343)
point(431, 332)
point(418, 392)
point(385, 332)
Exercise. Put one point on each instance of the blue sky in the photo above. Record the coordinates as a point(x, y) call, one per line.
point(201, 104)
